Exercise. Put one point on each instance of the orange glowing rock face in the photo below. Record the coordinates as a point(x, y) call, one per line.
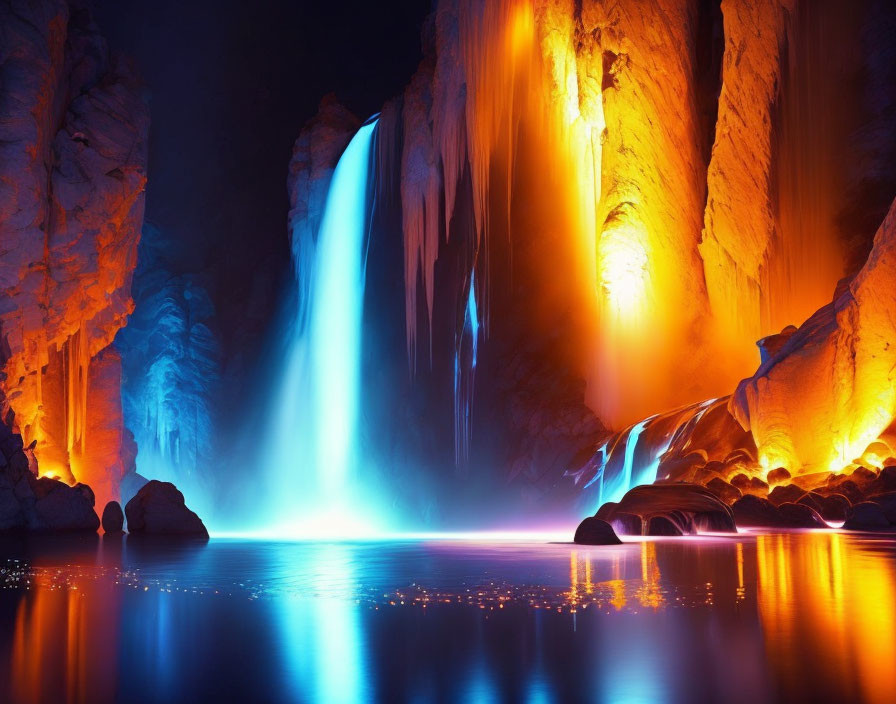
point(675, 226)
point(68, 256)
point(830, 392)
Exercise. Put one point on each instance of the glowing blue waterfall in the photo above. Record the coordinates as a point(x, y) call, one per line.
point(313, 458)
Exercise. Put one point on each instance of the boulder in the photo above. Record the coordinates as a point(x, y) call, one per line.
point(780, 475)
point(835, 507)
point(756, 511)
point(113, 518)
point(594, 531)
point(61, 508)
point(788, 493)
point(800, 516)
point(866, 516)
point(725, 491)
point(749, 485)
point(159, 509)
point(863, 477)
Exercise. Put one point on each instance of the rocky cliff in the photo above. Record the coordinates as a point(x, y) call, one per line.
point(73, 132)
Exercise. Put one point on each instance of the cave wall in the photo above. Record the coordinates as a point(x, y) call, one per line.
point(73, 132)
point(171, 373)
point(631, 195)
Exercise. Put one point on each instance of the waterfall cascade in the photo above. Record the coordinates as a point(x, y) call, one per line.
point(312, 449)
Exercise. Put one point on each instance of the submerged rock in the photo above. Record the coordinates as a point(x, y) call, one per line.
point(159, 509)
point(594, 531)
point(113, 518)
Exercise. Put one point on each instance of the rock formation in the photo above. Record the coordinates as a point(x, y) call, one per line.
point(830, 391)
point(39, 505)
point(113, 518)
point(594, 531)
point(668, 509)
point(159, 509)
point(73, 131)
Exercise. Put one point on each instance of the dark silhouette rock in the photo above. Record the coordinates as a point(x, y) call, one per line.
point(626, 523)
point(787, 493)
point(886, 480)
point(725, 491)
point(756, 511)
point(662, 526)
point(113, 518)
point(800, 516)
point(866, 516)
point(778, 476)
point(159, 509)
point(594, 531)
point(834, 507)
point(60, 508)
point(887, 501)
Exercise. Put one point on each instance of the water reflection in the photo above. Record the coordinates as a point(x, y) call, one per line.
point(828, 608)
point(792, 617)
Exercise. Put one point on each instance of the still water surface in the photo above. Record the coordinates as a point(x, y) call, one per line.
point(776, 617)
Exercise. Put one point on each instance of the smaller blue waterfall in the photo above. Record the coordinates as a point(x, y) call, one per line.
point(632, 457)
point(465, 357)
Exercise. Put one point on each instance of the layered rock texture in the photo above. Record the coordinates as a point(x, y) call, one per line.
point(73, 131)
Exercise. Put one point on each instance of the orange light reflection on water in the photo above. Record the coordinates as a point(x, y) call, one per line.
point(833, 599)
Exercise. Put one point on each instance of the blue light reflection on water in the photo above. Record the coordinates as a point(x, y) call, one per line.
point(690, 619)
